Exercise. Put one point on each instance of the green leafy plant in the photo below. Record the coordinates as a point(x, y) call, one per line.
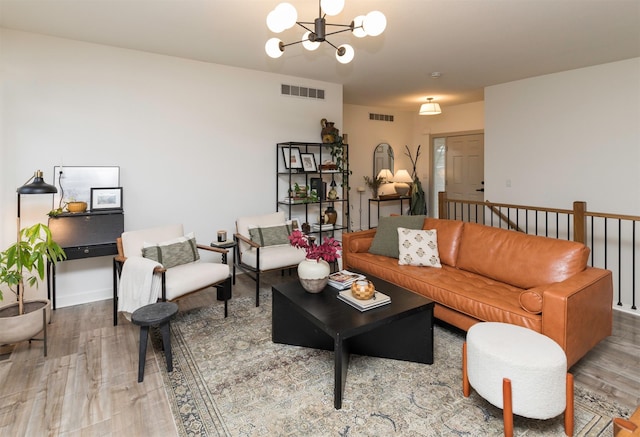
point(373, 184)
point(25, 261)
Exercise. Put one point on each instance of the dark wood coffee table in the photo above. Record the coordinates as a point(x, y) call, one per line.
point(401, 330)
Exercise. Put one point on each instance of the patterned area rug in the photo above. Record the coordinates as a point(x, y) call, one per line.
point(229, 379)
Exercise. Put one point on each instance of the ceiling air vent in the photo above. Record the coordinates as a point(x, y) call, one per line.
point(301, 91)
point(381, 117)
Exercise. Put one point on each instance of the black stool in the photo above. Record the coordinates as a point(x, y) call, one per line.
point(150, 315)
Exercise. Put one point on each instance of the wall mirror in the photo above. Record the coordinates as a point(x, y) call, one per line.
point(382, 158)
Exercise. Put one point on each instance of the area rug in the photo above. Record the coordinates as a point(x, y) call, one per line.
point(230, 379)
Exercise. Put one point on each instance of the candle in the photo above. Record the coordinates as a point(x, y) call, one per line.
point(222, 236)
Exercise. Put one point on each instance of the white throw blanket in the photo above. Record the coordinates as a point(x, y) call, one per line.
point(139, 286)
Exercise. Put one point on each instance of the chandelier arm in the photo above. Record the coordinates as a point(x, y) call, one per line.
point(337, 31)
point(350, 26)
point(329, 42)
point(293, 43)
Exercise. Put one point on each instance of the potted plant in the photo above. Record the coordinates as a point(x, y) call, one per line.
point(313, 271)
point(22, 263)
point(373, 184)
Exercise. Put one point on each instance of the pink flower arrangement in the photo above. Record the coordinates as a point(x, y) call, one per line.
point(327, 251)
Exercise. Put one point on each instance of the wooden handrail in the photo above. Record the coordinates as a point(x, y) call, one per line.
point(621, 260)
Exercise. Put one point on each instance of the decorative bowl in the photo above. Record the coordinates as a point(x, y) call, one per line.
point(77, 206)
point(363, 289)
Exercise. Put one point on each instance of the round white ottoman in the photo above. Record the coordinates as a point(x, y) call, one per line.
point(519, 370)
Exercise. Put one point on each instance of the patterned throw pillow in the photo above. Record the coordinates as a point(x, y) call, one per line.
point(271, 235)
point(182, 250)
point(418, 247)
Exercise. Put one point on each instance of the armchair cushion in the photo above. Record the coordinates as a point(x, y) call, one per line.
point(174, 252)
point(193, 276)
point(244, 223)
point(271, 235)
point(274, 257)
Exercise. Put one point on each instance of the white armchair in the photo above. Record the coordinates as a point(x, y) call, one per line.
point(273, 252)
point(179, 280)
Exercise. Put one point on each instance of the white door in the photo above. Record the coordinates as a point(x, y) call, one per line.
point(465, 172)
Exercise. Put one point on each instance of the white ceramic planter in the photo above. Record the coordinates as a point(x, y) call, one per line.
point(313, 274)
point(14, 329)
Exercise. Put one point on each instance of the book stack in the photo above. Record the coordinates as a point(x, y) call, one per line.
point(322, 227)
point(343, 279)
point(378, 300)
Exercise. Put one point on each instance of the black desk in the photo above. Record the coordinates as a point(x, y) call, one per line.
point(401, 199)
point(84, 235)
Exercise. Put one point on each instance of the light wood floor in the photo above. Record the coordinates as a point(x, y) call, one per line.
point(87, 385)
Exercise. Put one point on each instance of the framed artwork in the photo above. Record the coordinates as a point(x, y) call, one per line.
point(309, 162)
point(296, 223)
point(106, 198)
point(291, 157)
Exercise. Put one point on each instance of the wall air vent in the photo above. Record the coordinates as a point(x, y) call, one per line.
point(301, 91)
point(381, 117)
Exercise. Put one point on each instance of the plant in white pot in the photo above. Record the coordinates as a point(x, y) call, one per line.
point(22, 263)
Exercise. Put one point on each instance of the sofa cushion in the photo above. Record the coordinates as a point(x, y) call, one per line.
point(515, 258)
point(473, 295)
point(449, 234)
point(385, 241)
point(418, 247)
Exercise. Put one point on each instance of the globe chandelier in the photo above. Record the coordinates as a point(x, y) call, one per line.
point(285, 16)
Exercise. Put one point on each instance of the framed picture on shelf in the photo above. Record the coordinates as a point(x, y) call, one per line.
point(309, 162)
point(292, 158)
point(296, 223)
point(106, 198)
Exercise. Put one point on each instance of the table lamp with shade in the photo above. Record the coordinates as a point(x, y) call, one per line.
point(387, 188)
point(402, 180)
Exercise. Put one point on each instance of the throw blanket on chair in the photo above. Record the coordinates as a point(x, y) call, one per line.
point(139, 286)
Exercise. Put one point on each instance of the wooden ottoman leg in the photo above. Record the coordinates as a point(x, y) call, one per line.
point(466, 387)
point(142, 354)
point(568, 412)
point(507, 407)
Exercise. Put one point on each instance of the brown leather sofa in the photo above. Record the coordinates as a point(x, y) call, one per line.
point(497, 275)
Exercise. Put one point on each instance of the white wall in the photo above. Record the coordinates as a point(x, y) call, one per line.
point(195, 142)
point(408, 128)
point(568, 136)
point(364, 135)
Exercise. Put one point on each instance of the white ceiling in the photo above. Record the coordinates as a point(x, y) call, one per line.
point(473, 43)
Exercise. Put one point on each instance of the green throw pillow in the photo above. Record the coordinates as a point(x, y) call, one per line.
point(385, 241)
point(173, 254)
point(271, 235)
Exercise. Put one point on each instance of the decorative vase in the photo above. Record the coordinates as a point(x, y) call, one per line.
point(330, 216)
point(329, 131)
point(313, 274)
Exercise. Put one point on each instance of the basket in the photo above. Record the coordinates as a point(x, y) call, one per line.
point(363, 289)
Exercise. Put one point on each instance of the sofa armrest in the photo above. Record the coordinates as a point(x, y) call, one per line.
point(577, 313)
point(354, 242)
